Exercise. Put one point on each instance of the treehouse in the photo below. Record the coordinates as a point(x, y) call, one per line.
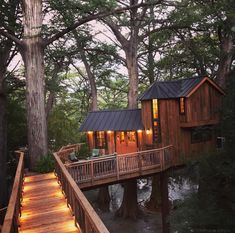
point(184, 113)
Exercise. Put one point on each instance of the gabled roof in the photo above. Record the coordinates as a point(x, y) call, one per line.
point(175, 88)
point(115, 120)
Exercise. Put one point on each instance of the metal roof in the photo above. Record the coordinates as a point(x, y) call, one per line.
point(114, 120)
point(170, 89)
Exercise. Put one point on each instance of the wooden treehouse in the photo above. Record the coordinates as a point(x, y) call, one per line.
point(183, 113)
point(177, 119)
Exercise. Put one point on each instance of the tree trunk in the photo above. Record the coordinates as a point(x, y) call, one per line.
point(94, 99)
point(3, 143)
point(50, 103)
point(103, 199)
point(32, 54)
point(129, 207)
point(165, 206)
point(226, 57)
point(155, 198)
point(132, 66)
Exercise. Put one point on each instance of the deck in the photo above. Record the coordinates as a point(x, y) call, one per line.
point(44, 207)
point(105, 170)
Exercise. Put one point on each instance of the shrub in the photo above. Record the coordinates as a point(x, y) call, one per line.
point(84, 152)
point(45, 164)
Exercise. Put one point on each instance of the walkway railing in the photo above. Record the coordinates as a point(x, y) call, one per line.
point(87, 219)
point(66, 150)
point(121, 166)
point(10, 223)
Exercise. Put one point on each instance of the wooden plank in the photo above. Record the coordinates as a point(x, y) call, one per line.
point(44, 208)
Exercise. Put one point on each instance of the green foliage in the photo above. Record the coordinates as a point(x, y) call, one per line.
point(211, 207)
point(45, 164)
point(84, 152)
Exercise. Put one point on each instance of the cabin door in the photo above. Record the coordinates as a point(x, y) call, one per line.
point(126, 142)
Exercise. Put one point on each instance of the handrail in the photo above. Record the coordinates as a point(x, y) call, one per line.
point(74, 146)
point(85, 215)
point(104, 157)
point(10, 223)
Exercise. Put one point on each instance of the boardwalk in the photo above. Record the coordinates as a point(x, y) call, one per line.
point(44, 208)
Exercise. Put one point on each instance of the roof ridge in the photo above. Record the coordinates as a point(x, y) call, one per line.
point(179, 80)
point(114, 110)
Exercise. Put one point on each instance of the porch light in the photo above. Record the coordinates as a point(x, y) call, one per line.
point(148, 131)
point(89, 132)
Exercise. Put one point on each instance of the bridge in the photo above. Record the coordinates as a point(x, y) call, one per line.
point(54, 202)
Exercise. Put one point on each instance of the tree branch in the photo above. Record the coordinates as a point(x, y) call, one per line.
point(10, 36)
point(93, 17)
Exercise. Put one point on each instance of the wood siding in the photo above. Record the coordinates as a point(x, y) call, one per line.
point(146, 112)
point(203, 105)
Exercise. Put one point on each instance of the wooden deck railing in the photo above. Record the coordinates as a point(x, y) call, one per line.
point(87, 219)
point(10, 223)
point(121, 166)
point(66, 150)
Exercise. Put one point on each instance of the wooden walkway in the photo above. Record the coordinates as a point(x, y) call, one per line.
point(44, 207)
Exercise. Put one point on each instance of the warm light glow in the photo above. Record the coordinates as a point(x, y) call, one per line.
point(148, 131)
point(89, 132)
point(139, 131)
point(109, 131)
point(182, 105)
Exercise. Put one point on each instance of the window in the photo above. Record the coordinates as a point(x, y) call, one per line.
point(100, 139)
point(131, 137)
point(156, 128)
point(182, 105)
point(201, 134)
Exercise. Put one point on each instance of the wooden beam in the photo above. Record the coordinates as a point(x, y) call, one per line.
point(199, 123)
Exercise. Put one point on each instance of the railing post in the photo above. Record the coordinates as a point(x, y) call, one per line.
point(162, 160)
point(139, 162)
point(92, 171)
point(117, 166)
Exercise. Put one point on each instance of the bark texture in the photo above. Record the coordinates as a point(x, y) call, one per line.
point(154, 202)
point(32, 54)
point(165, 206)
point(4, 57)
point(103, 199)
point(3, 143)
point(129, 207)
point(226, 57)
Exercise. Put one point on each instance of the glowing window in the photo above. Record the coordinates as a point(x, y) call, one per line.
point(155, 109)
point(100, 139)
point(156, 126)
point(131, 136)
point(182, 105)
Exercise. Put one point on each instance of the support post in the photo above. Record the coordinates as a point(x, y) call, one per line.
point(165, 206)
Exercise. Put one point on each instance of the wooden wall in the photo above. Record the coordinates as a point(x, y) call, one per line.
point(91, 140)
point(204, 104)
point(169, 124)
point(146, 112)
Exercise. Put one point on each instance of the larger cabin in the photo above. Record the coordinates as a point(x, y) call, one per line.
point(184, 113)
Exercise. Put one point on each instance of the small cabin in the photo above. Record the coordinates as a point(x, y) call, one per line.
point(184, 113)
